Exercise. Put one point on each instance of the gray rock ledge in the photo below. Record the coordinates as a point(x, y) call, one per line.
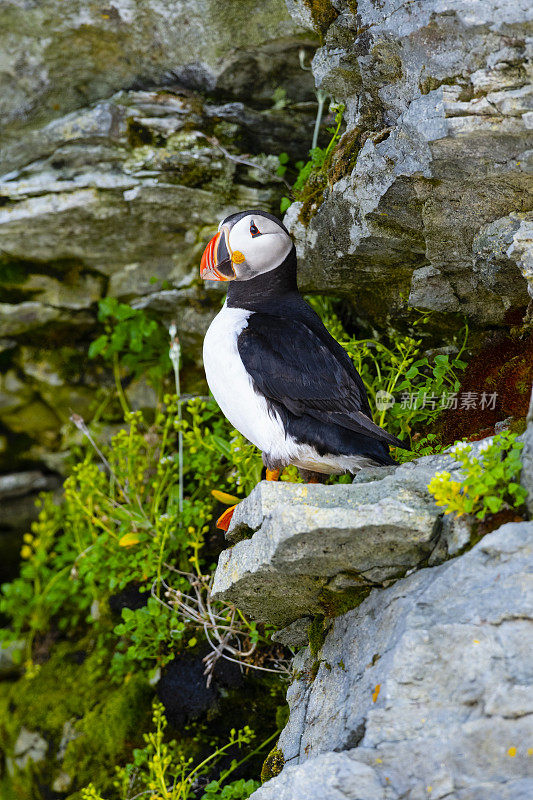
point(321, 549)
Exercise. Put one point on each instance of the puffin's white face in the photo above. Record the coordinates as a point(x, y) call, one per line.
point(244, 248)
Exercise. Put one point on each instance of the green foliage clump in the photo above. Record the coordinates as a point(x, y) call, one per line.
point(133, 341)
point(395, 365)
point(162, 770)
point(316, 635)
point(72, 703)
point(119, 523)
point(490, 481)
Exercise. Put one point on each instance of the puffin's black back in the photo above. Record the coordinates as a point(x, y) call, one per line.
point(305, 375)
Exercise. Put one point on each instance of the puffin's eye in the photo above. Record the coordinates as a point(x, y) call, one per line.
point(254, 230)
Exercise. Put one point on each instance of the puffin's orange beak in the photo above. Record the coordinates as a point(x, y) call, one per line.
point(217, 263)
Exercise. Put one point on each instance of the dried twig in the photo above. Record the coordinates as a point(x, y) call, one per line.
point(228, 637)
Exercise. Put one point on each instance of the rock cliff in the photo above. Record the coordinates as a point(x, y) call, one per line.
point(430, 191)
point(423, 688)
point(422, 691)
point(126, 132)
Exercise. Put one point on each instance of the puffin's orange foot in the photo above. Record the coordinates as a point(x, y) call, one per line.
point(224, 520)
point(272, 474)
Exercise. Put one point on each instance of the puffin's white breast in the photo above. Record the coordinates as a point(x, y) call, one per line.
point(232, 386)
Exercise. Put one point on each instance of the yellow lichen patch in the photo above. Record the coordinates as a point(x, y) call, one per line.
point(511, 752)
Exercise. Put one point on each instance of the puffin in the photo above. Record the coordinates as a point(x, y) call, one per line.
point(276, 373)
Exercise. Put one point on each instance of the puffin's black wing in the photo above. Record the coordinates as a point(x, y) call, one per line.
point(295, 366)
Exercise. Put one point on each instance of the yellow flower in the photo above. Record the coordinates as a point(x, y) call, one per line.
point(128, 540)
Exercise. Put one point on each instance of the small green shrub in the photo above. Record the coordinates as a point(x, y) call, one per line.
point(490, 481)
point(119, 523)
point(162, 770)
point(133, 342)
point(237, 790)
point(395, 365)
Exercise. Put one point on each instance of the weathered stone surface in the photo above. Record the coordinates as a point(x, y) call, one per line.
point(115, 188)
point(20, 483)
point(29, 747)
point(295, 634)
point(34, 418)
point(437, 151)
point(20, 317)
point(13, 392)
point(315, 548)
point(499, 248)
point(9, 664)
point(428, 683)
point(59, 56)
point(330, 776)
point(192, 310)
point(81, 291)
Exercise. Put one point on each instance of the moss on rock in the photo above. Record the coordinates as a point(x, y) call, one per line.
point(89, 723)
point(323, 14)
point(337, 603)
point(273, 764)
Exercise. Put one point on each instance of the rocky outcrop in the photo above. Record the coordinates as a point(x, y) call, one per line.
point(127, 132)
point(416, 679)
point(129, 188)
point(424, 690)
point(318, 549)
point(62, 56)
point(430, 193)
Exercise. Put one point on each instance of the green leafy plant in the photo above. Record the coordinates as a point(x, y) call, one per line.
point(118, 520)
point(279, 98)
point(148, 636)
point(411, 388)
point(120, 524)
point(162, 770)
point(237, 790)
point(490, 481)
point(132, 342)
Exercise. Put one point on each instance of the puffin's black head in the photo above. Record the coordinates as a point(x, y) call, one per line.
point(247, 244)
